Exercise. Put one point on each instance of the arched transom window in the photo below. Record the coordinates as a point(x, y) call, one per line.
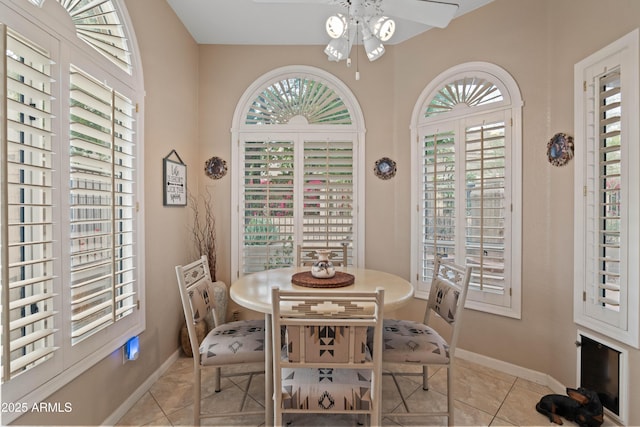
point(296, 178)
point(465, 91)
point(98, 24)
point(287, 98)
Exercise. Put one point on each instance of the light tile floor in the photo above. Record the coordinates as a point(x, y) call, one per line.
point(484, 397)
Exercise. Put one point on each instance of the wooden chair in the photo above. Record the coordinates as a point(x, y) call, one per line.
point(339, 255)
point(414, 343)
point(227, 344)
point(322, 363)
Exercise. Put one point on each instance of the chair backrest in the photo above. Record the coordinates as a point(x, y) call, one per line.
point(339, 255)
point(199, 296)
point(327, 330)
point(447, 296)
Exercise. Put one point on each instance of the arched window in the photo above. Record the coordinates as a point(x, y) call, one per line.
point(298, 143)
point(71, 157)
point(467, 157)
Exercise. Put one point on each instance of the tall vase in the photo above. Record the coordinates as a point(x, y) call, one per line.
point(323, 268)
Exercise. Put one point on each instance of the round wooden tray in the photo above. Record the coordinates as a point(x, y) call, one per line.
point(306, 279)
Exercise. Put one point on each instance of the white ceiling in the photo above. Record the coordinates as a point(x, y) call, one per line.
point(249, 22)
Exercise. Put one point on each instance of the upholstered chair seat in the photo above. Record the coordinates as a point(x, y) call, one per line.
point(226, 344)
point(406, 342)
point(234, 342)
point(413, 342)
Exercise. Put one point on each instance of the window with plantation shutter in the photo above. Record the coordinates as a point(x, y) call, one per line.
point(70, 168)
point(607, 205)
point(297, 154)
point(466, 157)
point(30, 317)
point(438, 199)
point(101, 206)
point(327, 194)
point(486, 219)
point(268, 211)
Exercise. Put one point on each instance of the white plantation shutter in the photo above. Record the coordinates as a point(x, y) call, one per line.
point(282, 183)
point(327, 193)
point(604, 221)
point(29, 314)
point(438, 204)
point(467, 160)
point(607, 202)
point(486, 219)
point(268, 204)
point(463, 203)
point(101, 206)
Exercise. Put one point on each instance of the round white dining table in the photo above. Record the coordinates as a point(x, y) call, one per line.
point(253, 291)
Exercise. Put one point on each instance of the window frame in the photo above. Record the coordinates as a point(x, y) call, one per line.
point(624, 54)
point(297, 130)
point(41, 23)
point(511, 106)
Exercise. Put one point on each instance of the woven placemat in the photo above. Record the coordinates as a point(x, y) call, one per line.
point(306, 279)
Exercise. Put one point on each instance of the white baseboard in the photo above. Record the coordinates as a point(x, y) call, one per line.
point(511, 369)
point(140, 391)
point(527, 374)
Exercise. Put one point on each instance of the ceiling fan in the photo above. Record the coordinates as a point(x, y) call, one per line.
point(372, 19)
point(429, 12)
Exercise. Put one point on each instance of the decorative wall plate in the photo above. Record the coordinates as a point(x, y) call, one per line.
point(385, 168)
point(560, 149)
point(215, 168)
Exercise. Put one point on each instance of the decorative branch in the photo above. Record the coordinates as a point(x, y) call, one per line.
point(203, 230)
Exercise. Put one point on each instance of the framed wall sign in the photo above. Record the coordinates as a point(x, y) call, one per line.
point(174, 184)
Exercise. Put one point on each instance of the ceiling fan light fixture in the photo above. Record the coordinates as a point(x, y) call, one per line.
point(336, 26)
point(383, 27)
point(373, 46)
point(337, 49)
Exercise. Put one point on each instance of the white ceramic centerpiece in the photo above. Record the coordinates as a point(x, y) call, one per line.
point(323, 268)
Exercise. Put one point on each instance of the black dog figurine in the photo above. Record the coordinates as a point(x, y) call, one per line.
point(581, 405)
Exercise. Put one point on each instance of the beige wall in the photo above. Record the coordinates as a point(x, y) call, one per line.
point(537, 42)
point(192, 92)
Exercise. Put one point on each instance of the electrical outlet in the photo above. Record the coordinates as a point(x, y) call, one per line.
point(235, 315)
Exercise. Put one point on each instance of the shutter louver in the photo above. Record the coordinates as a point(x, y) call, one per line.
point(101, 206)
point(328, 209)
point(28, 321)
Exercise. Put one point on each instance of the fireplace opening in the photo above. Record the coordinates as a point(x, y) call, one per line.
point(600, 372)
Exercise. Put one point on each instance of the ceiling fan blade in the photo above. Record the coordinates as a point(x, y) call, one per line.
point(432, 13)
point(291, 1)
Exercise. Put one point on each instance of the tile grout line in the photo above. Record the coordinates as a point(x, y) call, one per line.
point(504, 400)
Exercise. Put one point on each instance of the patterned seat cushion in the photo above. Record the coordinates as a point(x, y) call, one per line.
point(446, 300)
point(234, 342)
point(413, 342)
point(327, 344)
point(326, 389)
